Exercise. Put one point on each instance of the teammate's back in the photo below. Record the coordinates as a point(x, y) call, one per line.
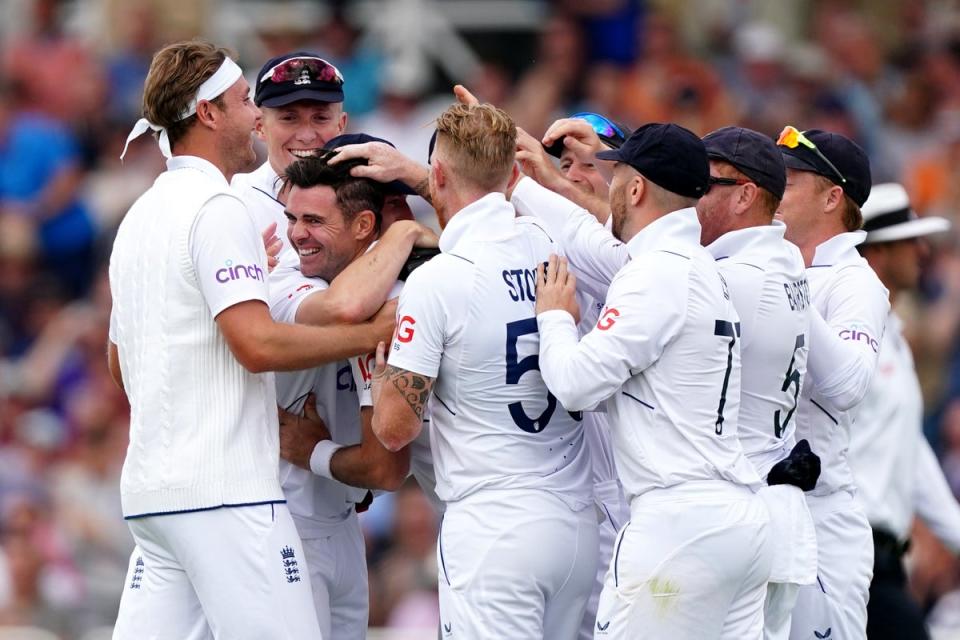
point(496, 424)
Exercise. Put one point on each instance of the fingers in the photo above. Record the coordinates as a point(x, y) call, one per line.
point(269, 232)
point(310, 408)
point(561, 271)
point(526, 141)
point(350, 152)
point(381, 358)
point(464, 96)
point(552, 271)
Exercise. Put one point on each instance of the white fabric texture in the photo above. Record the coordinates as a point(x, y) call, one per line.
point(203, 429)
point(237, 572)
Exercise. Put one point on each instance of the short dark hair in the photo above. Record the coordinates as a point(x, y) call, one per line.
point(353, 194)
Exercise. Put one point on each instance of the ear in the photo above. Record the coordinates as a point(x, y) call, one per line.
point(343, 122)
point(208, 114)
point(515, 175)
point(259, 129)
point(364, 224)
point(833, 199)
point(637, 189)
point(748, 195)
point(439, 175)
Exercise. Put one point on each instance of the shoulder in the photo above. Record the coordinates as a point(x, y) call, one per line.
point(534, 227)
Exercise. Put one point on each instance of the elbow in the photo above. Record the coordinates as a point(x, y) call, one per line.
point(348, 312)
point(392, 439)
point(253, 358)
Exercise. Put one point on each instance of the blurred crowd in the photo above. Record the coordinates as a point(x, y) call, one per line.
point(70, 80)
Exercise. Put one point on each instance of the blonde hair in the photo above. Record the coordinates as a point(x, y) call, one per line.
point(175, 74)
point(479, 142)
point(767, 203)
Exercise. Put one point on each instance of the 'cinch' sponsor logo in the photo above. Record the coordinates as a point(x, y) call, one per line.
point(235, 272)
point(859, 336)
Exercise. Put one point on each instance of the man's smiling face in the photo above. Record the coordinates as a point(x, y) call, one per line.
point(299, 129)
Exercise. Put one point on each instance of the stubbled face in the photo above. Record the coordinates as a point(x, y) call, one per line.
point(318, 232)
point(618, 199)
point(583, 174)
point(395, 208)
point(802, 201)
point(714, 209)
point(242, 119)
point(899, 263)
point(299, 129)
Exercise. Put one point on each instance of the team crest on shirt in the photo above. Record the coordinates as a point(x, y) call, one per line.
point(290, 567)
point(137, 578)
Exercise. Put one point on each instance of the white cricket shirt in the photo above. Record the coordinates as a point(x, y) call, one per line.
point(203, 429)
point(852, 306)
point(467, 319)
point(665, 356)
point(768, 285)
point(890, 458)
point(260, 190)
point(317, 504)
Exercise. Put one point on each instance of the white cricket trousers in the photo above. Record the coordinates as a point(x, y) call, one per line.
point(692, 563)
point(835, 606)
point(515, 564)
point(338, 575)
point(232, 573)
point(614, 513)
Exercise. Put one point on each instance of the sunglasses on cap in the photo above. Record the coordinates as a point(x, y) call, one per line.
point(303, 70)
point(791, 138)
point(717, 181)
point(603, 127)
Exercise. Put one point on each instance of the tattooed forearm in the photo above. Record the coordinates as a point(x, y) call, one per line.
point(423, 190)
point(414, 388)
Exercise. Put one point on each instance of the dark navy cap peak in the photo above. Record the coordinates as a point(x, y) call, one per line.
point(835, 157)
point(752, 154)
point(668, 155)
point(300, 75)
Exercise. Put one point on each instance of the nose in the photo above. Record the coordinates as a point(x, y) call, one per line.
point(296, 231)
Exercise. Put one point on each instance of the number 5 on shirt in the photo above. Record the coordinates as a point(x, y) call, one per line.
point(515, 370)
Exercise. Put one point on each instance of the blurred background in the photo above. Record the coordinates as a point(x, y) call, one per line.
point(884, 72)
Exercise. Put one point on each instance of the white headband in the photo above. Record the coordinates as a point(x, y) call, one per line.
point(214, 86)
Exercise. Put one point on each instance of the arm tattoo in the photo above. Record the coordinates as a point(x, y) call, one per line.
point(414, 388)
point(423, 190)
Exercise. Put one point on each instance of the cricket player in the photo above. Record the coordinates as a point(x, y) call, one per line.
point(828, 180)
point(217, 553)
point(333, 218)
point(767, 280)
point(517, 549)
point(897, 473)
point(693, 561)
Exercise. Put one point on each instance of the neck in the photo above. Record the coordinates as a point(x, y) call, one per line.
point(638, 220)
point(196, 145)
point(809, 243)
point(455, 202)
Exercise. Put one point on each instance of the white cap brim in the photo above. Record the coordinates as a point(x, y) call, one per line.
point(916, 228)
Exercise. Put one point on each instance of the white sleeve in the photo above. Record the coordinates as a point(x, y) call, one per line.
point(288, 289)
point(595, 255)
point(644, 311)
point(228, 255)
point(844, 345)
point(422, 316)
point(933, 500)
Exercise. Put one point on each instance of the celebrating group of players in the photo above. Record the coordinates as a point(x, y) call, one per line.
point(627, 382)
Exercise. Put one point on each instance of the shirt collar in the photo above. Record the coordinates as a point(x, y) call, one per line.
point(678, 229)
point(488, 218)
point(838, 248)
point(194, 162)
point(741, 241)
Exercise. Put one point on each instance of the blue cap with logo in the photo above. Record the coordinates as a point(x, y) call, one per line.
point(669, 155)
point(297, 76)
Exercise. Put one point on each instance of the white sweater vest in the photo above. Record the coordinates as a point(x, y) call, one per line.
point(203, 430)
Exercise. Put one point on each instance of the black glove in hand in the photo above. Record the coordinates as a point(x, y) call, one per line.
point(801, 468)
point(417, 257)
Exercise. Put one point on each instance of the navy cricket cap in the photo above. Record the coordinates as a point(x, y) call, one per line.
point(297, 76)
point(752, 153)
point(395, 187)
point(668, 155)
point(831, 155)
